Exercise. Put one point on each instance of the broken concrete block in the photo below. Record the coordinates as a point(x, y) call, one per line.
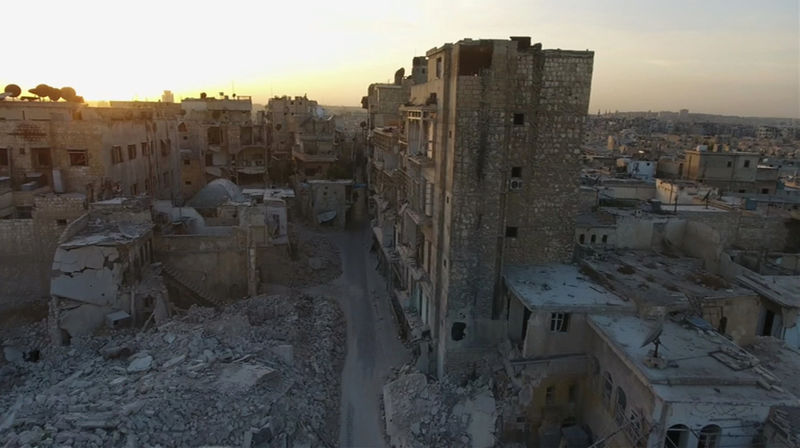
point(142, 364)
point(116, 351)
point(244, 376)
point(174, 361)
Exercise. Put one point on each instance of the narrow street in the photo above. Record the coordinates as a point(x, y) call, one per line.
point(373, 347)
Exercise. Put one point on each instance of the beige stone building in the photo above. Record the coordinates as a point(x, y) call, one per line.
point(734, 172)
point(221, 138)
point(284, 117)
point(488, 161)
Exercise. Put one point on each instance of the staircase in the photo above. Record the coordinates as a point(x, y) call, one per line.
point(197, 291)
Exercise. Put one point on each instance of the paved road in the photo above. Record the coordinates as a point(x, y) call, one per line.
point(373, 347)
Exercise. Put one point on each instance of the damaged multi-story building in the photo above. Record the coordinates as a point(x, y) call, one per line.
point(487, 170)
point(57, 156)
point(221, 138)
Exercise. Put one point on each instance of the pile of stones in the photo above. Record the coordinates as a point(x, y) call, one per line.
point(261, 372)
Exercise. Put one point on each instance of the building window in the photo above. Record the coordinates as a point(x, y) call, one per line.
point(608, 388)
point(439, 67)
point(116, 154)
point(78, 157)
point(709, 437)
point(22, 151)
point(550, 395)
point(164, 148)
point(3, 157)
point(519, 119)
point(187, 162)
point(41, 157)
point(134, 189)
point(730, 164)
point(511, 232)
point(214, 136)
point(559, 322)
point(765, 191)
point(131, 152)
point(209, 159)
point(620, 406)
point(582, 238)
point(593, 238)
point(747, 164)
point(677, 437)
point(187, 182)
point(61, 222)
point(604, 239)
point(516, 171)
point(573, 393)
point(634, 428)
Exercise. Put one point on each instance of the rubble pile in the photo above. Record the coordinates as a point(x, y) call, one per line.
point(262, 372)
point(422, 413)
point(315, 262)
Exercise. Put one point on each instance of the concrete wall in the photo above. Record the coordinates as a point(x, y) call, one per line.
point(218, 264)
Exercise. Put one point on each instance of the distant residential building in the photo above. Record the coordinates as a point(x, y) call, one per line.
point(728, 171)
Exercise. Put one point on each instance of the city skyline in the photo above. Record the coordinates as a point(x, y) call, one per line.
point(732, 58)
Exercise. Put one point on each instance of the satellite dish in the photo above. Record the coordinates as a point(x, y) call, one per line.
point(654, 337)
point(13, 90)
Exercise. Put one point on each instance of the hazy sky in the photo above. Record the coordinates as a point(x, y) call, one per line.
point(718, 56)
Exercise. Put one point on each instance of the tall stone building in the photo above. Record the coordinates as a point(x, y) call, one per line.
point(489, 148)
point(284, 118)
point(221, 138)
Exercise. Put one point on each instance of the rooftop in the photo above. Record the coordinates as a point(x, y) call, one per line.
point(654, 279)
point(783, 289)
point(558, 286)
point(702, 365)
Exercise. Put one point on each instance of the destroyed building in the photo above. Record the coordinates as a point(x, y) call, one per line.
point(220, 138)
point(487, 174)
point(56, 157)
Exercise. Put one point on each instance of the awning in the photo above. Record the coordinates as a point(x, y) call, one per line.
point(326, 216)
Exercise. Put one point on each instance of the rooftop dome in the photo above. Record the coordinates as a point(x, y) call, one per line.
point(216, 193)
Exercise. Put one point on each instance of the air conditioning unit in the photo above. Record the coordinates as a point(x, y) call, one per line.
point(515, 184)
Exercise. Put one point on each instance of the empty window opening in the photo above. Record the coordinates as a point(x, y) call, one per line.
point(709, 437)
point(620, 407)
point(608, 388)
point(187, 182)
point(604, 239)
point(516, 171)
point(78, 157)
point(746, 163)
point(187, 162)
point(559, 322)
point(3, 157)
point(41, 157)
point(582, 238)
point(519, 119)
point(458, 331)
point(61, 222)
point(677, 437)
point(593, 238)
point(526, 315)
point(214, 135)
point(765, 191)
point(511, 232)
point(573, 393)
point(131, 152)
point(116, 154)
point(550, 395)
point(473, 59)
point(729, 164)
point(439, 67)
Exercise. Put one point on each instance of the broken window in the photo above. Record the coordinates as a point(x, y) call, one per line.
point(78, 157)
point(709, 437)
point(511, 232)
point(559, 322)
point(3, 157)
point(116, 154)
point(131, 152)
point(41, 157)
point(550, 395)
point(473, 59)
point(519, 119)
point(572, 393)
point(457, 332)
point(214, 135)
point(620, 406)
point(677, 437)
point(516, 171)
point(608, 388)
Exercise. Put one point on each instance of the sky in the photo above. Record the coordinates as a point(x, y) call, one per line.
point(716, 56)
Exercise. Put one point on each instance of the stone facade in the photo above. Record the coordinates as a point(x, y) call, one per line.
point(490, 150)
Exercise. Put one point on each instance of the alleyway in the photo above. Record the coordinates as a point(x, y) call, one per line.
point(373, 347)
